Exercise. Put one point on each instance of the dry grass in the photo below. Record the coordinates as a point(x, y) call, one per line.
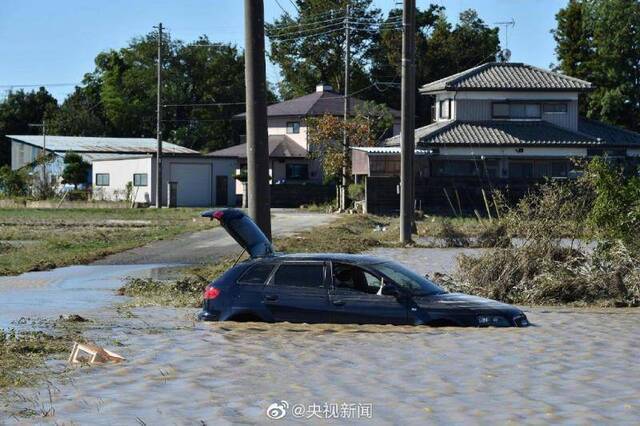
point(543, 269)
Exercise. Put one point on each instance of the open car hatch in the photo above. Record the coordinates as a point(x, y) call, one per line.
point(243, 230)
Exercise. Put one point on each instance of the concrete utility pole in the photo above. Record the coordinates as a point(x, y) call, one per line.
point(407, 121)
point(256, 94)
point(345, 142)
point(159, 123)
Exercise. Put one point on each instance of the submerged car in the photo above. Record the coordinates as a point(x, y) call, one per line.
point(335, 288)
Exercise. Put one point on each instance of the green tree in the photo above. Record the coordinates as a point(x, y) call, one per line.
point(75, 169)
point(441, 50)
point(616, 208)
point(370, 124)
point(598, 40)
point(82, 112)
point(119, 97)
point(309, 47)
point(18, 110)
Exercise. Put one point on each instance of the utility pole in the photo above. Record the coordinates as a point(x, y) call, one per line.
point(159, 123)
point(345, 141)
point(256, 100)
point(44, 148)
point(407, 148)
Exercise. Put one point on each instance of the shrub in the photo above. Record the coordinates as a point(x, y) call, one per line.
point(13, 183)
point(355, 191)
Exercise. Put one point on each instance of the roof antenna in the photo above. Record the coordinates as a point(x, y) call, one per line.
point(505, 54)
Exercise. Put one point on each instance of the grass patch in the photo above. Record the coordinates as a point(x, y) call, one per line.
point(42, 239)
point(23, 353)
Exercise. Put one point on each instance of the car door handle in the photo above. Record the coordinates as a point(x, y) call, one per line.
point(270, 298)
point(338, 302)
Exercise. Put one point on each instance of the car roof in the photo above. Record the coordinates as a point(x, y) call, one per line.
point(359, 259)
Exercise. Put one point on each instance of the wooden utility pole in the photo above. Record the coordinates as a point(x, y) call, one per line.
point(44, 148)
point(256, 99)
point(407, 148)
point(159, 123)
point(345, 141)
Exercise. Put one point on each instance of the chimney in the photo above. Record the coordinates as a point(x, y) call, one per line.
point(324, 88)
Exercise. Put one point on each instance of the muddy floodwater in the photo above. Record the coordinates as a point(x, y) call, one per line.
point(575, 366)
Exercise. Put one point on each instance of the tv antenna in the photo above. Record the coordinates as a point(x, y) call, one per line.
point(506, 25)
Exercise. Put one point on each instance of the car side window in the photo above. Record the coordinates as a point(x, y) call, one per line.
point(300, 275)
point(351, 278)
point(257, 274)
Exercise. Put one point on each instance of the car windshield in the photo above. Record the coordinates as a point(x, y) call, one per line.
point(413, 283)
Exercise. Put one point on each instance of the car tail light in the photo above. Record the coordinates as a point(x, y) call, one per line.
point(211, 293)
point(218, 215)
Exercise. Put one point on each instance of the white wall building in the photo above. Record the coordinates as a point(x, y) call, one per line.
point(199, 181)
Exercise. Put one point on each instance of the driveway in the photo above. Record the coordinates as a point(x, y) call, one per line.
point(205, 246)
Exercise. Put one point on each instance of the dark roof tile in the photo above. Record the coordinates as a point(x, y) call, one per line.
point(280, 146)
point(507, 76)
point(315, 104)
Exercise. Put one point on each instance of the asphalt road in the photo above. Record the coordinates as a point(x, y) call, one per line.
point(205, 246)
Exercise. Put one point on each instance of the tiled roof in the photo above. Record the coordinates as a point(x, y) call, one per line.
point(507, 76)
point(501, 133)
point(419, 133)
point(314, 104)
point(82, 144)
point(611, 135)
point(280, 146)
point(386, 150)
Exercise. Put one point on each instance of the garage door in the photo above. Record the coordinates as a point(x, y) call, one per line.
point(194, 184)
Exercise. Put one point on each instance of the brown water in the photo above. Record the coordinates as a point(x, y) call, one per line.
point(575, 366)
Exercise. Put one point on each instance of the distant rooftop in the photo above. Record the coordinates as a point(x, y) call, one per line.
point(323, 101)
point(507, 76)
point(82, 144)
point(280, 146)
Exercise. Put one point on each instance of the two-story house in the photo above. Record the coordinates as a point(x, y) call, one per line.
point(288, 136)
point(498, 125)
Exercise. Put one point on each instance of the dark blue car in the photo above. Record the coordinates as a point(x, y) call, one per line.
point(336, 288)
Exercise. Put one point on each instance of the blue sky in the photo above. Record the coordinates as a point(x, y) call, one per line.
point(44, 42)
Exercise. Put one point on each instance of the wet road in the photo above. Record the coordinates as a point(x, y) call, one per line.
point(205, 246)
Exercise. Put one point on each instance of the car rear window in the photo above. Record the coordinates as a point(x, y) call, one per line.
point(300, 275)
point(257, 274)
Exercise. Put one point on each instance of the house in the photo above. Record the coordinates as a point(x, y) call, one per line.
point(197, 180)
point(25, 149)
point(193, 180)
point(497, 126)
point(287, 125)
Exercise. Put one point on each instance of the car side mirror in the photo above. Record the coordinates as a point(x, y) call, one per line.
point(390, 290)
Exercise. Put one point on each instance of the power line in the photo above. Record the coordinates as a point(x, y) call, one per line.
point(331, 26)
point(11, 86)
point(308, 35)
point(294, 5)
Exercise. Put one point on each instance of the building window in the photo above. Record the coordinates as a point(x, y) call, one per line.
point(139, 179)
point(102, 179)
point(293, 127)
point(516, 110)
point(297, 171)
point(555, 108)
point(445, 109)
